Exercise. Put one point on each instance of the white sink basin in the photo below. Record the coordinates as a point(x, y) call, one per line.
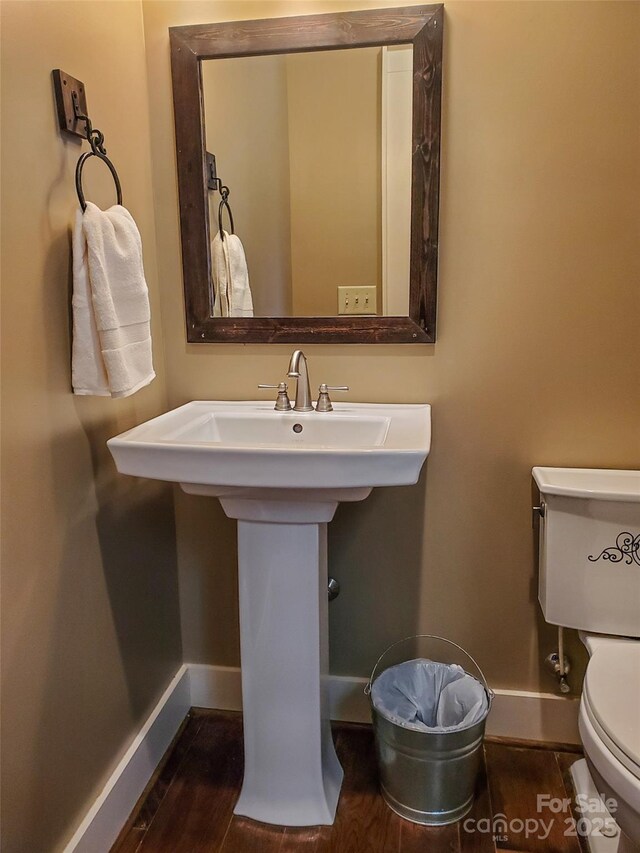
point(282, 474)
point(248, 444)
point(276, 429)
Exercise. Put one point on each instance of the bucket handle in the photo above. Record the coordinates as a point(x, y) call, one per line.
point(369, 684)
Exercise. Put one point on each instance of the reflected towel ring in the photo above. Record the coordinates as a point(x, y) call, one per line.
point(83, 159)
point(224, 192)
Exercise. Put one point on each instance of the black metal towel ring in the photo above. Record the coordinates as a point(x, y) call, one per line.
point(96, 141)
point(224, 192)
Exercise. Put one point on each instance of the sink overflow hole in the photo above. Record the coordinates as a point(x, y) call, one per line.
point(297, 427)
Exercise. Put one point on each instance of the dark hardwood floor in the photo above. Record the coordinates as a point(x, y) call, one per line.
point(188, 807)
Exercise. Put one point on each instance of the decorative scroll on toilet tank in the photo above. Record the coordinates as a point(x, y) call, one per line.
point(627, 548)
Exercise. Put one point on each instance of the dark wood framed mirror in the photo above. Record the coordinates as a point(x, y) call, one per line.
point(418, 26)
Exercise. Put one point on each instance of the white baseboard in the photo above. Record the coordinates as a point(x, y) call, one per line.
point(515, 714)
point(534, 716)
point(106, 817)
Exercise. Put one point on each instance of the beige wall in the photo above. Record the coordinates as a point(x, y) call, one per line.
point(246, 128)
point(536, 363)
point(537, 353)
point(334, 154)
point(90, 632)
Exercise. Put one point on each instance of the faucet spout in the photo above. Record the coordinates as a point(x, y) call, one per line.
point(298, 369)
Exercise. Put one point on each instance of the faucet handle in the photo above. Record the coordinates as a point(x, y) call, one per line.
point(283, 403)
point(324, 401)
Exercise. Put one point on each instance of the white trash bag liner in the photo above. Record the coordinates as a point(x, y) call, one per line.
point(427, 696)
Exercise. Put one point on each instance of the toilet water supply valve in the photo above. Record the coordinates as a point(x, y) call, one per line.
point(558, 663)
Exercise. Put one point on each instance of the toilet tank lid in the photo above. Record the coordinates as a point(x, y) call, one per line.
point(594, 483)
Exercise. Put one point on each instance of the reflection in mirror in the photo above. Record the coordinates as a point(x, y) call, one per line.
point(315, 149)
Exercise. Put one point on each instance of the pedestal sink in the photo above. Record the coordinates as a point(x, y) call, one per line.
point(282, 476)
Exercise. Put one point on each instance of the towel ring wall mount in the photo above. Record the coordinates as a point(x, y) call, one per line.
point(215, 183)
point(73, 119)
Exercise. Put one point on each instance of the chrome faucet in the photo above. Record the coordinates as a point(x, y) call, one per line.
point(298, 369)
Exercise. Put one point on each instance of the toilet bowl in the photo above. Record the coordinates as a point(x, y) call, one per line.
point(609, 725)
point(590, 580)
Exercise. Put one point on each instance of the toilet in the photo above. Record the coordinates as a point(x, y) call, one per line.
point(590, 580)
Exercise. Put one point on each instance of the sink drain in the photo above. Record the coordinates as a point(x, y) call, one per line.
point(297, 427)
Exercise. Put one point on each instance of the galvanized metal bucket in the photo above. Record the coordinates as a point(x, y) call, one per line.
point(428, 777)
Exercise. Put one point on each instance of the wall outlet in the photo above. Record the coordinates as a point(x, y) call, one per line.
point(357, 300)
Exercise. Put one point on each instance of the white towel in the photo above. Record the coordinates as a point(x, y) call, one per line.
point(111, 329)
point(232, 293)
point(220, 278)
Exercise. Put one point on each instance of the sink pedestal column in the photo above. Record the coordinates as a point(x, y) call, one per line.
point(292, 775)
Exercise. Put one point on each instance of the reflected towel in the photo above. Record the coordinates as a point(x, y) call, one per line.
point(111, 317)
point(231, 289)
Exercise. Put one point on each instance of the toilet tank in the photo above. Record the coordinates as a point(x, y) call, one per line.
point(590, 549)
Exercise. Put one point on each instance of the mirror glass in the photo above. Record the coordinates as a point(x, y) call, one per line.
point(315, 149)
